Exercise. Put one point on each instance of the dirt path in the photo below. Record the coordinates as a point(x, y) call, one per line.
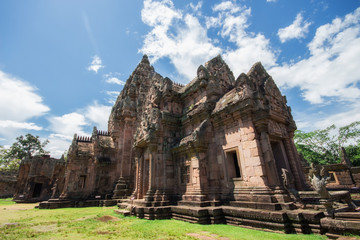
point(206, 236)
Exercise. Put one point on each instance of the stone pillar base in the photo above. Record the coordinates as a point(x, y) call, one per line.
point(121, 189)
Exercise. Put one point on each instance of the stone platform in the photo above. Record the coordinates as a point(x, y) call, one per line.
point(58, 203)
point(284, 217)
point(343, 223)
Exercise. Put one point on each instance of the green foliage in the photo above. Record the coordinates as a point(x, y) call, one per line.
point(27, 146)
point(353, 152)
point(8, 163)
point(324, 146)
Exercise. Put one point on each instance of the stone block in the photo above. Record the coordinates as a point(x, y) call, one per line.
point(258, 171)
point(254, 152)
point(250, 136)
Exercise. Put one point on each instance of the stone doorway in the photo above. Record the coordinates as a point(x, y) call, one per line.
point(82, 181)
point(280, 157)
point(37, 190)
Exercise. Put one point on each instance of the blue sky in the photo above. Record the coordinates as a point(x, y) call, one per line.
point(63, 63)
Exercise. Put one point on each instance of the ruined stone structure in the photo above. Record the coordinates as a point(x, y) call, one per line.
point(7, 183)
point(341, 175)
point(37, 177)
point(91, 167)
point(218, 150)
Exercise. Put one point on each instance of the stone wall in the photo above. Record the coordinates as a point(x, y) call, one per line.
point(36, 178)
point(7, 183)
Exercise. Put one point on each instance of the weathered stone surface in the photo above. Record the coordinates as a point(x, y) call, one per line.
point(39, 178)
point(7, 183)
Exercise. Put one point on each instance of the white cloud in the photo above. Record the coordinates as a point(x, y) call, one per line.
point(227, 6)
point(332, 70)
point(19, 125)
point(115, 80)
point(159, 13)
point(351, 114)
point(98, 114)
point(58, 144)
point(64, 127)
point(95, 64)
point(326, 34)
point(18, 100)
point(68, 124)
point(180, 38)
point(271, 0)
point(19, 103)
point(196, 8)
point(320, 119)
point(298, 29)
point(232, 20)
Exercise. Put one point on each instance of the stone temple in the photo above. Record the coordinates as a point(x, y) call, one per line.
point(213, 151)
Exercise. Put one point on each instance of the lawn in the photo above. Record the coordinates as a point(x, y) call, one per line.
point(23, 221)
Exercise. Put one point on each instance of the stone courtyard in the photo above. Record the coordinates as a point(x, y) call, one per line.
point(218, 150)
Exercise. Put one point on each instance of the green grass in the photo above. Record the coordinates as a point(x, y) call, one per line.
point(22, 221)
point(6, 201)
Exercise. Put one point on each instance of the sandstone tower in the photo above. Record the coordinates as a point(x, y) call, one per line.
point(215, 140)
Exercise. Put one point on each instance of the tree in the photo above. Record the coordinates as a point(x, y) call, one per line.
point(353, 153)
point(27, 146)
point(323, 146)
point(6, 163)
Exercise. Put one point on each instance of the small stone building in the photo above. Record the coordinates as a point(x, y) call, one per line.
point(92, 168)
point(36, 178)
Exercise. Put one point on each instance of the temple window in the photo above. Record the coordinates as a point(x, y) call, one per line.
point(233, 164)
point(333, 177)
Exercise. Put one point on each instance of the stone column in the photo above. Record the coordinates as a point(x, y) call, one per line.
point(120, 147)
point(138, 175)
point(152, 174)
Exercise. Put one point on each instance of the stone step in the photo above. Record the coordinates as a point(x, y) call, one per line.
point(263, 205)
point(122, 212)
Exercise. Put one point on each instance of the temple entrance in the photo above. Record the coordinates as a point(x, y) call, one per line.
point(280, 157)
point(37, 190)
point(233, 165)
point(82, 181)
